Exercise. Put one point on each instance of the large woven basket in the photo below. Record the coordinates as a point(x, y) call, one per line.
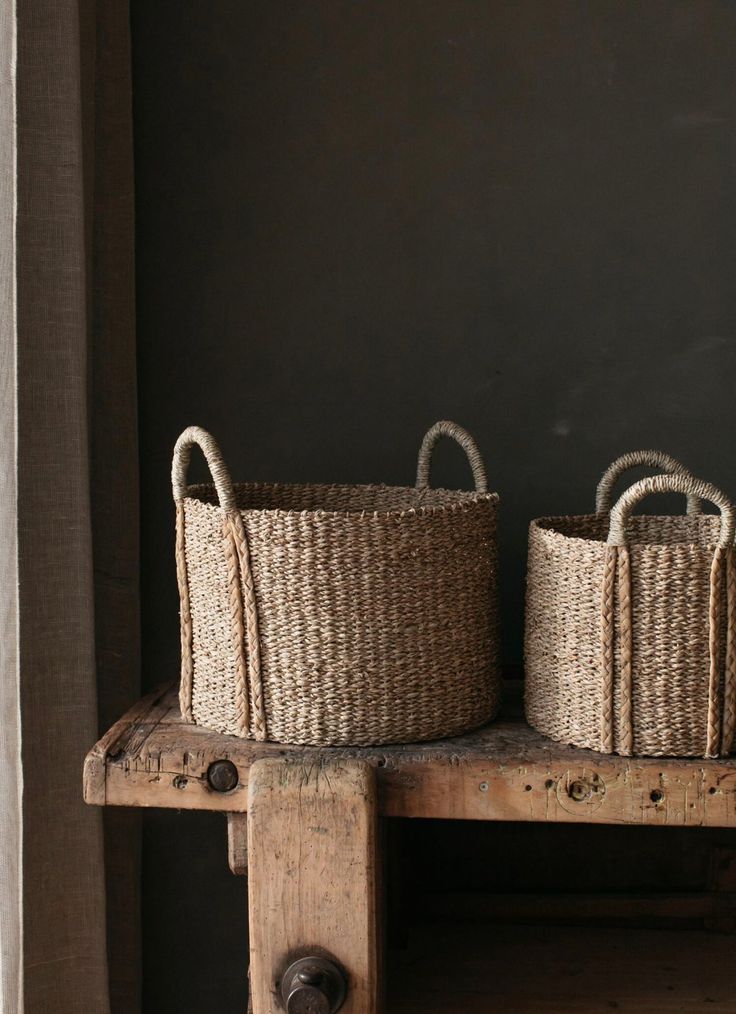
point(630, 621)
point(336, 615)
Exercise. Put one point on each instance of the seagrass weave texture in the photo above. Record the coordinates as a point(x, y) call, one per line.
point(336, 615)
point(629, 641)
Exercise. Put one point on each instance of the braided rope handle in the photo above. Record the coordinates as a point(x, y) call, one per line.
point(215, 462)
point(687, 484)
point(650, 459)
point(444, 428)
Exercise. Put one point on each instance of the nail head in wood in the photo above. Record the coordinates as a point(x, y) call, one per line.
point(222, 776)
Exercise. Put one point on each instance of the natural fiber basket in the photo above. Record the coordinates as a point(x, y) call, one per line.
point(629, 644)
point(336, 615)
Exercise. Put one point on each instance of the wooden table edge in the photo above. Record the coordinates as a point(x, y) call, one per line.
point(150, 758)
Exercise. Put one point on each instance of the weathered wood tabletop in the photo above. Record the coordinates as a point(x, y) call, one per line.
point(505, 771)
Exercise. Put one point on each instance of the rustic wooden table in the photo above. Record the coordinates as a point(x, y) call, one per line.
point(304, 821)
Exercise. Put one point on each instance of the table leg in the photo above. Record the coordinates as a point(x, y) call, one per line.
point(237, 843)
point(312, 877)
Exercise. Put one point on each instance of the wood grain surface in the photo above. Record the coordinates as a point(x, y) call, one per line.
point(313, 884)
point(505, 771)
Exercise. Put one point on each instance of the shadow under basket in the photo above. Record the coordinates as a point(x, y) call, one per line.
point(337, 615)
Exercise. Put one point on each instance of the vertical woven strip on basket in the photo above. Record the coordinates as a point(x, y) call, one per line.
point(237, 625)
point(608, 627)
point(256, 704)
point(625, 743)
point(729, 679)
point(185, 618)
point(714, 634)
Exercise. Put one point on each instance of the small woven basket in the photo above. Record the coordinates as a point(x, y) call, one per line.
point(336, 615)
point(630, 622)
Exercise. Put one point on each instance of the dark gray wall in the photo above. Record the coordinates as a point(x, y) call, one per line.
point(355, 218)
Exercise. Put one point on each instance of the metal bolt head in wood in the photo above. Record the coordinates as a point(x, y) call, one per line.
point(222, 775)
point(580, 790)
point(313, 985)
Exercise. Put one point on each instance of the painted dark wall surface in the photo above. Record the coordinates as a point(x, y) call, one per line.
point(355, 218)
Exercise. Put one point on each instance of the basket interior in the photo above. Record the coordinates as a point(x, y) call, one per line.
point(340, 499)
point(642, 529)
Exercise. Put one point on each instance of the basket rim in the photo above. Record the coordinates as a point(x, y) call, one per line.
point(470, 499)
point(544, 525)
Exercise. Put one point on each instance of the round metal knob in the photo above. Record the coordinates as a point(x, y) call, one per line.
point(308, 1000)
point(313, 986)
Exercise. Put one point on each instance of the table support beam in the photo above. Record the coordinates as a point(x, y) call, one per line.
point(313, 876)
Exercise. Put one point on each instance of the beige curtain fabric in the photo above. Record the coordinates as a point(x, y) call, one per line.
point(11, 918)
point(72, 357)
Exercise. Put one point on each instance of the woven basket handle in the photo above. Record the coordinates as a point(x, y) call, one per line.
point(450, 429)
point(651, 459)
point(218, 469)
point(670, 484)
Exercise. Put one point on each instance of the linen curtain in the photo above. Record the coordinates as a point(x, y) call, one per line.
point(69, 642)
